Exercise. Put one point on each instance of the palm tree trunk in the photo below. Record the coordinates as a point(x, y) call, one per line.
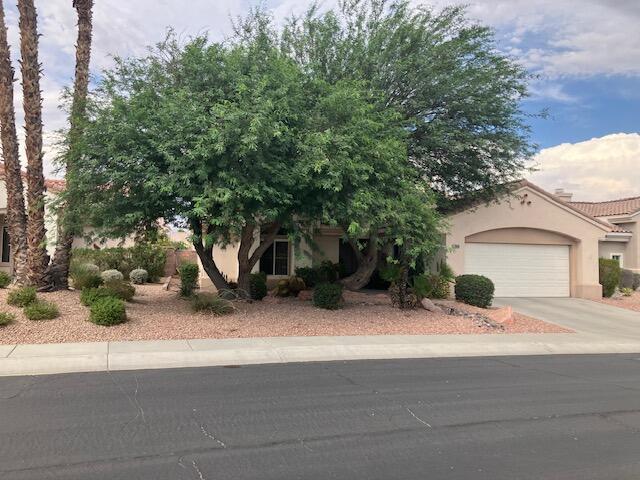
point(58, 271)
point(37, 258)
point(16, 217)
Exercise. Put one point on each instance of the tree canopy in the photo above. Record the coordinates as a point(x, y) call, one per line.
point(460, 98)
point(224, 139)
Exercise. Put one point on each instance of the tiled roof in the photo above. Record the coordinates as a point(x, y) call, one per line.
point(52, 184)
point(624, 206)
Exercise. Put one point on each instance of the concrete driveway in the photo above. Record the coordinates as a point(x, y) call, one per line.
point(583, 316)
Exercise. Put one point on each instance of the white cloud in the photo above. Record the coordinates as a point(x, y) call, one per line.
point(603, 168)
point(584, 38)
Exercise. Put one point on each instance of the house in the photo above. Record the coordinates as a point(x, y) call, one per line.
point(537, 244)
point(623, 244)
point(530, 243)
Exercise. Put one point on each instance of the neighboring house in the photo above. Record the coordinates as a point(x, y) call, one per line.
point(623, 244)
point(52, 187)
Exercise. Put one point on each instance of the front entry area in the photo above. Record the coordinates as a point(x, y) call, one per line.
point(521, 270)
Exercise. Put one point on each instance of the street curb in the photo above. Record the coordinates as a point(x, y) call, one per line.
point(116, 356)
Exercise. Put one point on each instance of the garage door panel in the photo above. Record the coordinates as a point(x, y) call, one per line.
point(521, 270)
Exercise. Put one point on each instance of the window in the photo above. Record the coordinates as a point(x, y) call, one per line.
point(617, 257)
point(6, 249)
point(275, 260)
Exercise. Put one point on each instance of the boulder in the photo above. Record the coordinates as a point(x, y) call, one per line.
point(502, 315)
point(430, 306)
point(305, 295)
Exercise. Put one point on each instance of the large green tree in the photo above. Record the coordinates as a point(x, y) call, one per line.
point(232, 140)
point(458, 96)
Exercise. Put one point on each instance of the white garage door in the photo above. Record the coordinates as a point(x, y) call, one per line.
point(521, 270)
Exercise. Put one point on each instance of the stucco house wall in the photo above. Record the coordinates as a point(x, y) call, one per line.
point(531, 216)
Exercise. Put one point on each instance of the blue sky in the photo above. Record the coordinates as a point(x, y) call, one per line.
point(586, 54)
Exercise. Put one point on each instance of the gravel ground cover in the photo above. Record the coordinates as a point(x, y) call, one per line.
point(630, 303)
point(157, 314)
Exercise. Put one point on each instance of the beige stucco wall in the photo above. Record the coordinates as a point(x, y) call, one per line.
point(607, 248)
point(328, 248)
point(532, 218)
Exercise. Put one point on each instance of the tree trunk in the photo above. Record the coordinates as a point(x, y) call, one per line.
point(16, 216)
point(205, 254)
point(37, 258)
point(367, 264)
point(246, 262)
point(58, 271)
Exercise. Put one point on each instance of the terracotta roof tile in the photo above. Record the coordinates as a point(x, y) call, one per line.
point(624, 206)
point(52, 184)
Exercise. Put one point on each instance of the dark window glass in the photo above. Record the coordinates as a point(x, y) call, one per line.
point(266, 261)
point(281, 258)
point(6, 249)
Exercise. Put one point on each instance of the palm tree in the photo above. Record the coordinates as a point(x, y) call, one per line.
point(16, 217)
point(59, 269)
point(37, 258)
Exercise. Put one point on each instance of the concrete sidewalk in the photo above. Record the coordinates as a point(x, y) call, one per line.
point(102, 356)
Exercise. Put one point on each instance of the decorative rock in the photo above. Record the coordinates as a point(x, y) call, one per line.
point(430, 306)
point(305, 295)
point(503, 315)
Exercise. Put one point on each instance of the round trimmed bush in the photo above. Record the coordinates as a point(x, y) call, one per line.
point(257, 286)
point(108, 311)
point(188, 278)
point(21, 297)
point(112, 276)
point(6, 318)
point(5, 279)
point(139, 276)
point(328, 296)
point(89, 295)
point(474, 290)
point(41, 310)
point(90, 268)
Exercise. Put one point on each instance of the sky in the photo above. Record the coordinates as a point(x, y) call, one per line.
point(585, 55)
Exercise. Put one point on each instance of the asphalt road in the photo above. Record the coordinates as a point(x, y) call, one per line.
point(551, 417)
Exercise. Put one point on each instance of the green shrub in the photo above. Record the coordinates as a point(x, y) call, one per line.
point(626, 291)
point(328, 296)
point(5, 279)
point(41, 310)
point(609, 276)
point(431, 285)
point(150, 257)
point(21, 297)
point(474, 290)
point(188, 278)
point(6, 318)
point(309, 275)
point(211, 303)
point(139, 276)
point(112, 276)
point(626, 278)
point(257, 286)
point(326, 272)
point(120, 289)
point(636, 281)
point(108, 311)
point(90, 295)
point(85, 275)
